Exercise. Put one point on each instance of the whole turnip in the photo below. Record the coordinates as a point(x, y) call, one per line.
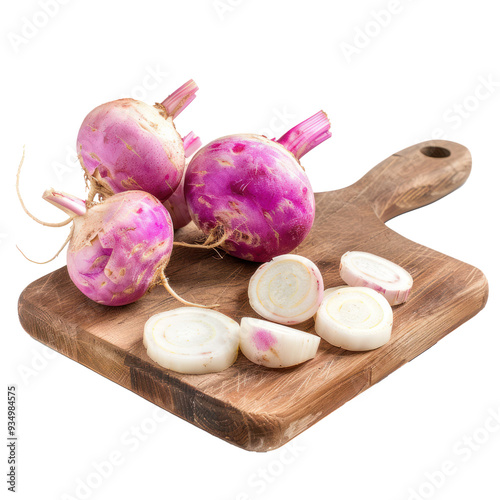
point(253, 191)
point(128, 145)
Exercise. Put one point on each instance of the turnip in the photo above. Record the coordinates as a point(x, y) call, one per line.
point(253, 193)
point(287, 290)
point(118, 248)
point(128, 145)
point(192, 340)
point(176, 204)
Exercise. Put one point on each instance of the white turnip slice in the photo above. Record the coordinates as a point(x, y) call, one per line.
point(192, 340)
point(384, 276)
point(276, 346)
point(354, 318)
point(286, 290)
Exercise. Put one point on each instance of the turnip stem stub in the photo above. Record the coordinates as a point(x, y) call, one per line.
point(307, 135)
point(176, 102)
point(66, 202)
point(191, 144)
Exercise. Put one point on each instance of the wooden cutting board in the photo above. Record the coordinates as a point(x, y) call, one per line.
point(259, 408)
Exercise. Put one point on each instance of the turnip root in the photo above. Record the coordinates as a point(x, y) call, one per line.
point(287, 290)
point(252, 191)
point(128, 145)
point(275, 346)
point(192, 340)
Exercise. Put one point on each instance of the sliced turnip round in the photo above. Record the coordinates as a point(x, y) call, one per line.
point(275, 346)
point(355, 318)
point(192, 340)
point(287, 290)
point(385, 277)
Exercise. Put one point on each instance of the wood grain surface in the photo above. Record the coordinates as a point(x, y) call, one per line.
point(254, 407)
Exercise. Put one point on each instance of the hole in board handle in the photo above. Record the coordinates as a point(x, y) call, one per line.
point(435, 152)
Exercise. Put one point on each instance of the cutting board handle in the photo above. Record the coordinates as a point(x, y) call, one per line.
point(414, 177)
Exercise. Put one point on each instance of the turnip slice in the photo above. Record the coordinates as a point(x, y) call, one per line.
point(251, 193)
point(287, 290)
point(276, 346)
point(128, 145)
point(354, 318)
point(385, 277)
point(192, 340)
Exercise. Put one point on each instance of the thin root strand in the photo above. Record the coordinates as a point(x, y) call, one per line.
point(49, 224)
point(208, 242)
point(55, 256)
point(169, 289)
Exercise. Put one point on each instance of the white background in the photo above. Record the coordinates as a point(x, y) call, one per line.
point(417, 74)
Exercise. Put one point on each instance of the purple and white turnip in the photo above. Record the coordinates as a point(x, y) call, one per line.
point(127, 145)
point(119, 247)
point(253, 192)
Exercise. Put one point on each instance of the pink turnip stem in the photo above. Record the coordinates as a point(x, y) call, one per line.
point(307, 135)
point(176, 102)
point(191, 144)
point(66, 202)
